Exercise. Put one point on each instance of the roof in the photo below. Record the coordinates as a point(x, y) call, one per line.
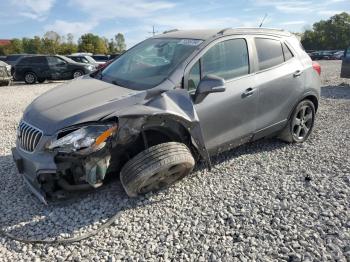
point(209, 33)
point(5, 42)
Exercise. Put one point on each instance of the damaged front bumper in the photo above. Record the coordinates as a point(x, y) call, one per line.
point(51, 175)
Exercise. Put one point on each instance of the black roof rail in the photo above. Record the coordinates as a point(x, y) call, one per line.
point(170, 31)
point(221, 32)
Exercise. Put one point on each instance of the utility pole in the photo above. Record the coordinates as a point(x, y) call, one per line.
point(263, 20)
point(153, 31)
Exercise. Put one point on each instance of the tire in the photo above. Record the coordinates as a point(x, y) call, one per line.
point(300, 124)
point(30, 78)
point(77, 73)
point(41, 80)
point(156, 168)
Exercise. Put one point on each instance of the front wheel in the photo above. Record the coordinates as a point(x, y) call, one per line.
point(78, 73)
point(300, 124)
point(156, 168)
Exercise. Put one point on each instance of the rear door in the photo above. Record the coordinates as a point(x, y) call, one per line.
point(279, 79)
point(228, 118)
point(345, 67)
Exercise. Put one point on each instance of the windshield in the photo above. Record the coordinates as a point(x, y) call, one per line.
point(149, 63)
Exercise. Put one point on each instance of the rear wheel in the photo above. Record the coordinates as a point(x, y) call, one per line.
point(300, 124)
point(30, 78)
point(156, 168)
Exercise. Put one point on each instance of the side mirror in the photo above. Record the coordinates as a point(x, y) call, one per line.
point(209, 84)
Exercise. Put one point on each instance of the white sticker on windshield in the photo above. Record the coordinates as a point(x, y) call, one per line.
point(192, 42)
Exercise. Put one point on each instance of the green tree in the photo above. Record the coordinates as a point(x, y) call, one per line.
point(92, 44)
point(120, 43)
point(14, 47)
point(333, 33)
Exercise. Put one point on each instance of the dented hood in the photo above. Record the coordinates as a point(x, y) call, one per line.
point(78, 101)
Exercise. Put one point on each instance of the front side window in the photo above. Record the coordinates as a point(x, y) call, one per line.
point(269, 51)
point(227, 59)
point(52, 60)
point(149, 63)
point(194, 77)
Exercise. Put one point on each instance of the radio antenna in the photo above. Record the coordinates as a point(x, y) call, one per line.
point(263, 20)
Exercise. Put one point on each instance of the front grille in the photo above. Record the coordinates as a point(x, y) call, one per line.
point(28, 136)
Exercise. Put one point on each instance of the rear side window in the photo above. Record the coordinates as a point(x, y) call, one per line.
point(269, 52)
point(287, 53)
point(227, 59)
point(33, 60)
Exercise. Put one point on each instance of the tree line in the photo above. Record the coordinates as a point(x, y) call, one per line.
point(331, 34)
point(53, 43)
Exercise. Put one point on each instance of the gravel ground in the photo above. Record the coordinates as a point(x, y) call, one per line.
point(263, 201)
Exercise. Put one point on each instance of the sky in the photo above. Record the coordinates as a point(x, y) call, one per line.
point(135, 18)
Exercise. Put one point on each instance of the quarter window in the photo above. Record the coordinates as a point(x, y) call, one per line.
point(227, 59)
point(269, 52)
point(287, 53)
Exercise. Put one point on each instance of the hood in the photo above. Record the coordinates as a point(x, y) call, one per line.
point(80, 100)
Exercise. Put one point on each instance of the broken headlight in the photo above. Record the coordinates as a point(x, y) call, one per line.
point(85, 140)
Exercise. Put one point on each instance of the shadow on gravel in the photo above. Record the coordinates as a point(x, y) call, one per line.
point(23, 216)
point(341, 91)
point(263, 145)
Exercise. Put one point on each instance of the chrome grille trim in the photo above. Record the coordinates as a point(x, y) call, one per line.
point(28, 136)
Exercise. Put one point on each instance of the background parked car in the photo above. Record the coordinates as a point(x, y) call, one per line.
point(345, 67)
point(5, 74)
point(86, 59)
point(100, 59)
point(338, 55)
point(14, 58)
point(52, 67)
point(321, 55)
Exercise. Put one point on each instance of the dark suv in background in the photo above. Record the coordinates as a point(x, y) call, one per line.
point(49, 67)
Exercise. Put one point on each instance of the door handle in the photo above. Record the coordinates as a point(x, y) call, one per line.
point(248, 92)
point(297, 73)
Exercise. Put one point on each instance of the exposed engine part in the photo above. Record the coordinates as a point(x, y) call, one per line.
point(96, 169)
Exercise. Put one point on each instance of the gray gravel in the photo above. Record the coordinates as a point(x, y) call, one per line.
point(263, 201)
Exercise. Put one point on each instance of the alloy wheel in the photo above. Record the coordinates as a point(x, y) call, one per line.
point(302, 122)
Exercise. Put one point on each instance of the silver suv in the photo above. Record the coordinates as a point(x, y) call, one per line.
point(168, 102)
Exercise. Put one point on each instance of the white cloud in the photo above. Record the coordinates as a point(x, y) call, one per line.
point(329, 12)
point(75, 28)
point(34, 9)
point(293, 22)
point(292, 6)
point(107, 9)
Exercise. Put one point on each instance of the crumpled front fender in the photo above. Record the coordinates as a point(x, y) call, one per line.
point(175, 105)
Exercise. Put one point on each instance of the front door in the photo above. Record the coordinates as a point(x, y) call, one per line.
point(345, 67)
point(58, 68)
point(228, 118)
